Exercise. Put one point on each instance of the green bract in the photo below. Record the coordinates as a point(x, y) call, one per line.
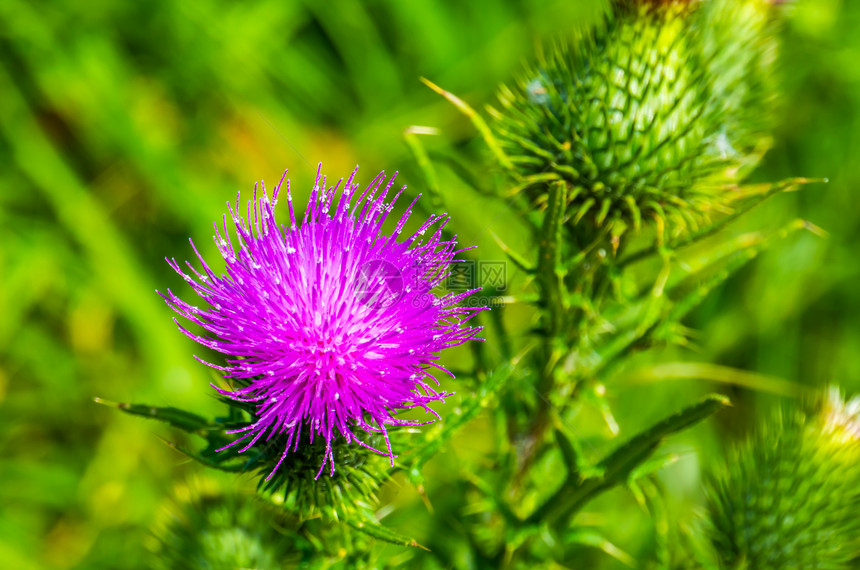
point(656, 112)
point(351, 490)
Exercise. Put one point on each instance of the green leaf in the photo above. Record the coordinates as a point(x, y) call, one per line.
point(653, 465)
point(192, 423)
point(749, 197)
point(715, 267)
point(654, 316)
point(618, 466)
point(222, 462)
point(376, 530)
point(569, 453)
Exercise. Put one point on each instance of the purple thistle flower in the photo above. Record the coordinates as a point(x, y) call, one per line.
point(329, 324)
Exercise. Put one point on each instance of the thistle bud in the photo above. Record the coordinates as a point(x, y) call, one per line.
point(207, 527)
point(788, 497)
point(653, 113)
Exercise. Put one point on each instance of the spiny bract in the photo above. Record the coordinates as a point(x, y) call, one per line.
point(788, 497)
point(655, 112)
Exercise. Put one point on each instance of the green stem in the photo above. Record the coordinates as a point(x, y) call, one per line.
point(553, 317)
point(549, 261)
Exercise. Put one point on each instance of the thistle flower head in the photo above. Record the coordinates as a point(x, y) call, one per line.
point(330, 325)
point(652, 113)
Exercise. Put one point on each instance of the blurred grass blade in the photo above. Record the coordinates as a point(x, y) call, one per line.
point(589, 537)
point(109, 255)
point(516, 258)
point(419, 153)
point(714, 373)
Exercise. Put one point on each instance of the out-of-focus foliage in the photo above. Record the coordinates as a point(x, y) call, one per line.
point(787, 497)
point(125, 126)
point(208, 526)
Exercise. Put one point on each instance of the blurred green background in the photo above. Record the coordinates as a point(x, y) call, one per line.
point(124, 128)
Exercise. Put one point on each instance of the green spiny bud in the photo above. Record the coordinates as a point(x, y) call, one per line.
point(788, 497)
point(206, 527)
point(653, 113)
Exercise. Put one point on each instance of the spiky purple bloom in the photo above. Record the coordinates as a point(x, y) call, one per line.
point(329, 324)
